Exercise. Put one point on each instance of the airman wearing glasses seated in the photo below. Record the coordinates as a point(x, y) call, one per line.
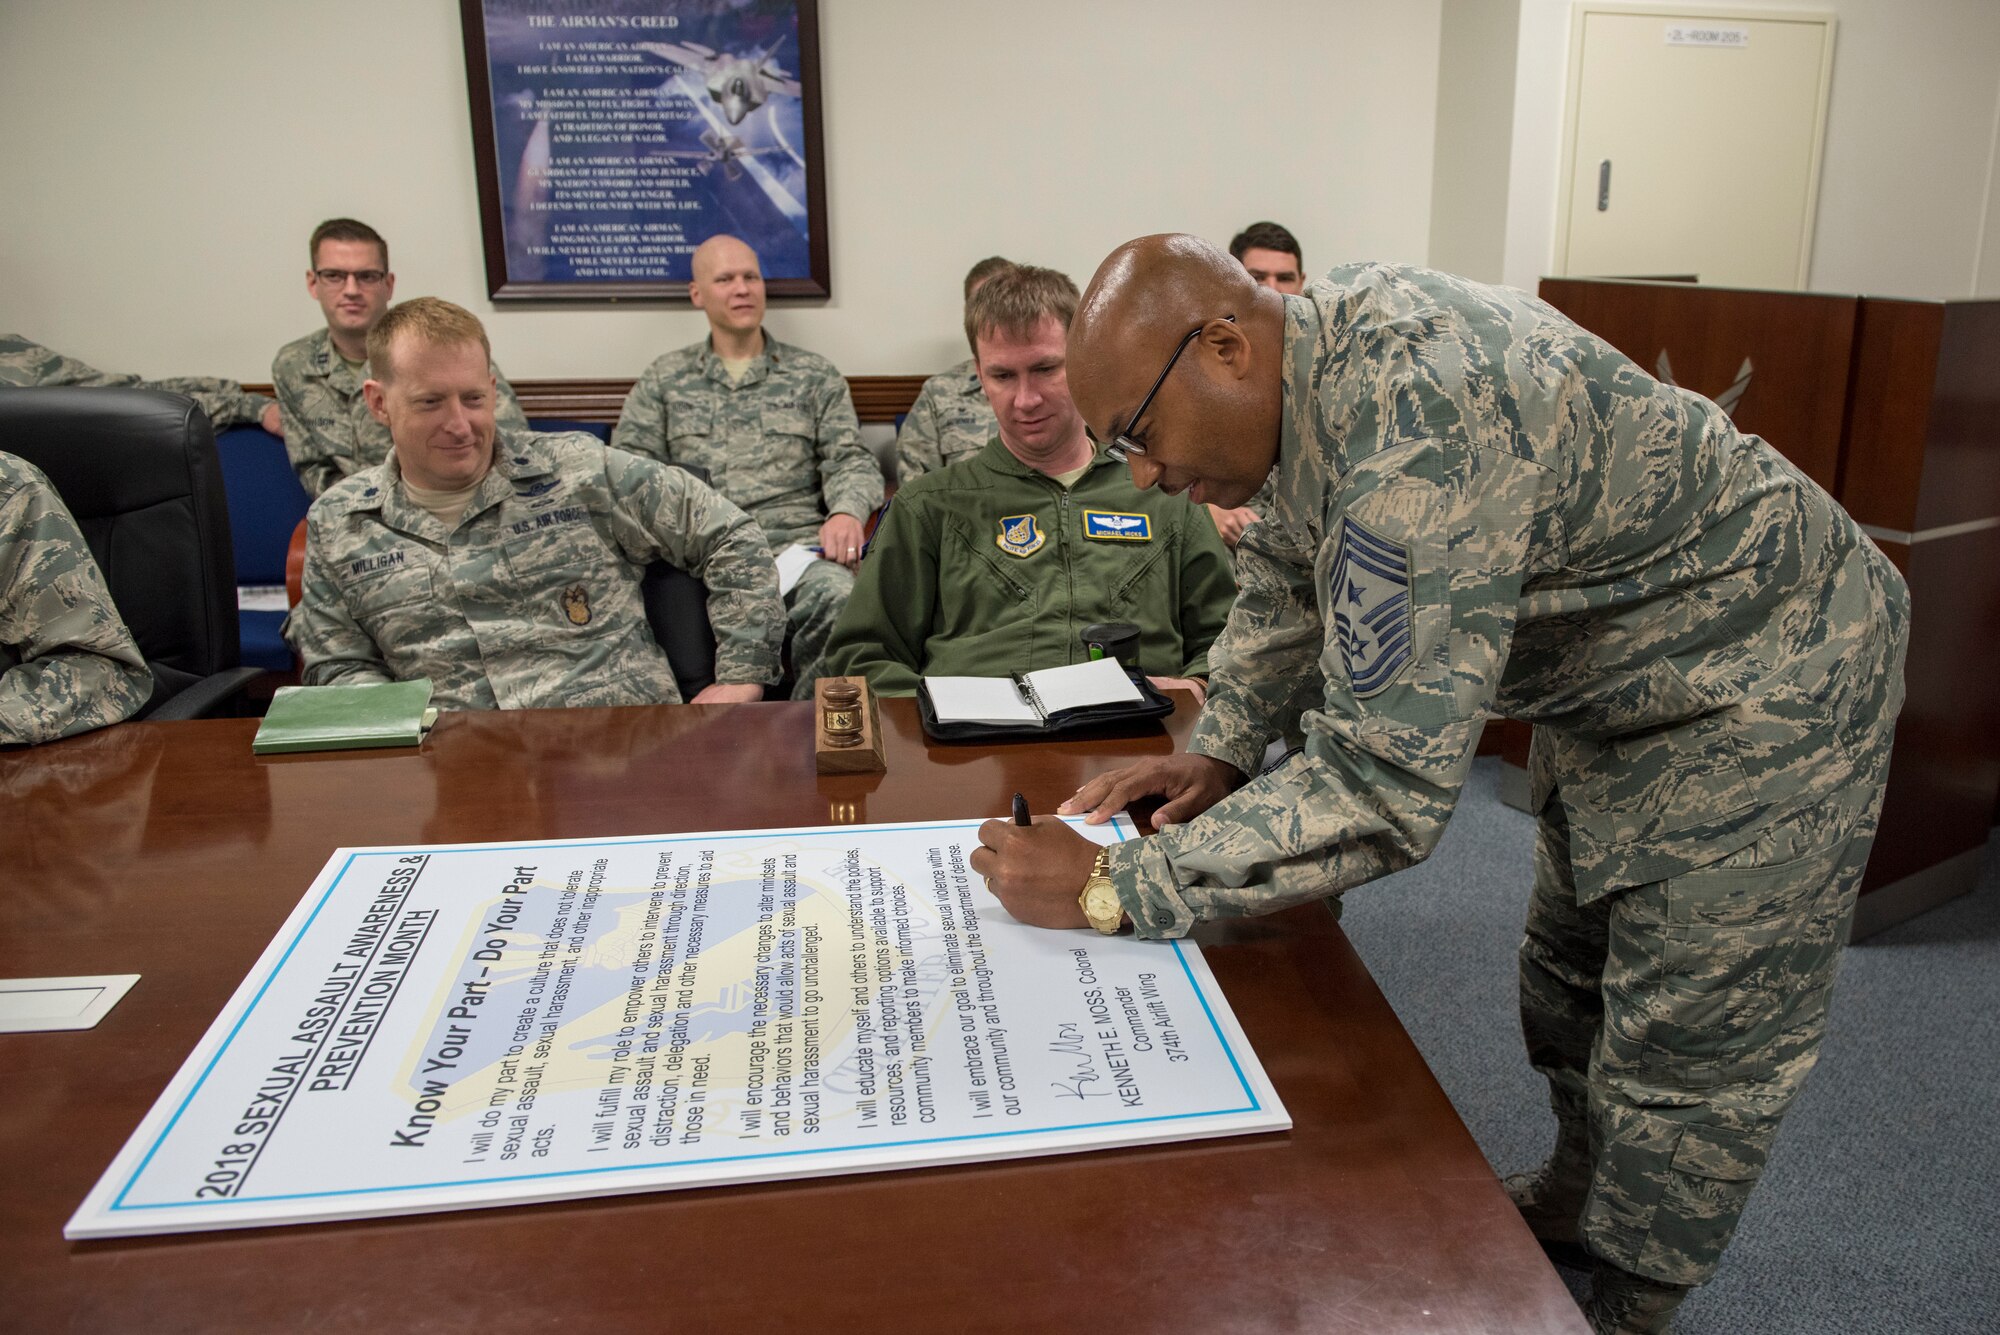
point(327, 428)
point(995, 564)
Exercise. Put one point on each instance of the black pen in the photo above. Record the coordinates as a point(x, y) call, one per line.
point(1021, 816)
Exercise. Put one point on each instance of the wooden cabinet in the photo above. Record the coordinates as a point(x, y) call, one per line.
point(1894, 408)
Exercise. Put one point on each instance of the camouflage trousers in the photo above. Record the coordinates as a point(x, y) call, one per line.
point(812, 607)
point(1677, 1021)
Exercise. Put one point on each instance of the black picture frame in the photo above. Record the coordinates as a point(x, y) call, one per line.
point(594, 181)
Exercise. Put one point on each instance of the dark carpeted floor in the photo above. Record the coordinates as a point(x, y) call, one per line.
point(1880, 1211)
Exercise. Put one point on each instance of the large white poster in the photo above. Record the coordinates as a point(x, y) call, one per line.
point(436, 1028)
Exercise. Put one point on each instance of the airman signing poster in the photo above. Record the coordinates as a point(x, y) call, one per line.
point(441, 1028)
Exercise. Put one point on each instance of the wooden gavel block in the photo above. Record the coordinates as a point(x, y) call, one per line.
point(847, 733)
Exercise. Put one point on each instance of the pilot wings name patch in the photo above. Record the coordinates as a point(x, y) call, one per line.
point(1117, 526)
point(1370, 597)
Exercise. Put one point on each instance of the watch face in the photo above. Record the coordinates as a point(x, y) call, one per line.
point(1101, 904)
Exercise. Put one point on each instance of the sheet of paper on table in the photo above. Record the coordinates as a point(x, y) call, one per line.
point(41, 1005)
point(438, 1028)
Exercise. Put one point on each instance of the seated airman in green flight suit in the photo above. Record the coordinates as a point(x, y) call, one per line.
point(996, 563)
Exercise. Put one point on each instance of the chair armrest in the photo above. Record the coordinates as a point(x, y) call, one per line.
point(295, 566)
point(205, 696)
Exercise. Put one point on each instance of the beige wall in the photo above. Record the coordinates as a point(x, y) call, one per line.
point(164, 163)
point(1469, 178)
point(1986, 281)
point(1909, 138)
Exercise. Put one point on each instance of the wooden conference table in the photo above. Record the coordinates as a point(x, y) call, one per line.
point(170, 851)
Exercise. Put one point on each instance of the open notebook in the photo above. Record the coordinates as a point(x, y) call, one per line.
point(1033, 700)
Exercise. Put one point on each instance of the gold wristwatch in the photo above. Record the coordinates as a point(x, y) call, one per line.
point(1099, 901)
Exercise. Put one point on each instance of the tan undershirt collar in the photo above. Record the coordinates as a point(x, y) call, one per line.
point(446, 506)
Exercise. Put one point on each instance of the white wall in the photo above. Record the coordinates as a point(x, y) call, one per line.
point(1909, 140)
point(1476, 68)
point(164, 163)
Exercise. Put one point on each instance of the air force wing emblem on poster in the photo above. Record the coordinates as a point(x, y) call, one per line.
point(1369, 595)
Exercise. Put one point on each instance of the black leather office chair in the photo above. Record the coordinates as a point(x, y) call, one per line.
point(138, 469)
point(677, 610)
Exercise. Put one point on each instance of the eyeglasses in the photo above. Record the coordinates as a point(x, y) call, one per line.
point(1122, 445)
point(339, 277)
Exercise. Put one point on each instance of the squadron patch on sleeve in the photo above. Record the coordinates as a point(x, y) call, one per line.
point(1117, 526)
point(1369, 594)
point(1020, 535)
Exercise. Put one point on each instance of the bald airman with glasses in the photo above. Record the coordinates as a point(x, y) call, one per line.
point(1478, 510)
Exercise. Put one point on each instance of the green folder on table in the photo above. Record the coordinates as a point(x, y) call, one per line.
point(344, 718)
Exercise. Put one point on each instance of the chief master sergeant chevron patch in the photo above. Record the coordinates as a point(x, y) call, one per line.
point(1369, 596)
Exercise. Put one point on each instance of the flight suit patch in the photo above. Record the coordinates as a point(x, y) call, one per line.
point(576, 605)
point(1117, 526)
point(1369, 592)
point(1020, 535)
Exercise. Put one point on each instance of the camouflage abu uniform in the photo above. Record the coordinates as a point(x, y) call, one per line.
point(533, 600)
point(24, 362)
point(783, 443)
point(67, 663)
point(950, 420)
point(1477, 509)
point(329, 432)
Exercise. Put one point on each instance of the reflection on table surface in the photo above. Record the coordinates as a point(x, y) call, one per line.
point(170, 851)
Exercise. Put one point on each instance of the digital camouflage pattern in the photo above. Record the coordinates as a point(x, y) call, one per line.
point(950, 420)
point(533, 600)
point(1676, 1021)
point(939, 595)
point(67, 662)
point(24, 363)
point(329, 432)
point(783, 443)
point(1524, 523)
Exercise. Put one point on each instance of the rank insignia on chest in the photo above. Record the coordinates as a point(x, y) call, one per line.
point(1369, 596)
point(576, 605)
point(1117, 526)
point(1020, 535)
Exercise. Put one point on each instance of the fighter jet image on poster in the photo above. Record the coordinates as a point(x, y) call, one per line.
point(724, 150)
point(738, 84)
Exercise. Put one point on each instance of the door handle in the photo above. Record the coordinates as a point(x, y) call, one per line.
point(1604, 185)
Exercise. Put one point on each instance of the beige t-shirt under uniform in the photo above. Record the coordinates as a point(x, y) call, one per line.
point(445, 506)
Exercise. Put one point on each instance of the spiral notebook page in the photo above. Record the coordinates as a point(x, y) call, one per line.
point(1102, 681)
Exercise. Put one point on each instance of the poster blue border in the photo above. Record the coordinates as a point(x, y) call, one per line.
point(1118, 825)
